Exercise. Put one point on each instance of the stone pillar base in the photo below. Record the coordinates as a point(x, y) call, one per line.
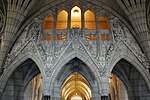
point(47, 97)
point(104, 97)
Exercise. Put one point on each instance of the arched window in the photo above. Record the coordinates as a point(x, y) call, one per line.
point(48, 23)
point(89, 20)
point(104, 27)
point(62, 20)
point(76, 17)
point(103, 23)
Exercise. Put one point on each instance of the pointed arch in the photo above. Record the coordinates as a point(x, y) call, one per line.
point(89, 19)
point(75, 17)
point(86, 60)
point(48, 23)
point(103, 23)
point(14, 65)
point(134, 62)
point(64, 60)
point(76, 84)
point(62, 20)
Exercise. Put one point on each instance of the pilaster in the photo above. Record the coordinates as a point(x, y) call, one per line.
point(104, 97)
point(47, 97)
point(82, 20)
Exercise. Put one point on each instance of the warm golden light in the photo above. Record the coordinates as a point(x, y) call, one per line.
point(89, 20)
point(62, 19)
point(76, 13)
point(76, 88)
point(76, 17)
point(48, 23)
point(76, 97)
point(103, 23)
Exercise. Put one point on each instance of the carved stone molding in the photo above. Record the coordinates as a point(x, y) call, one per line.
point(2, 22)
point(120, 33)
point(76, 42)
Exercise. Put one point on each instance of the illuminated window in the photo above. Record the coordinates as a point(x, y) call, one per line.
point(64, 37)
point(103, 23)
point(58, 37)
point(107, 37)
point(44, 37)
point(89, 20)
point(48, 23)
point(88, 37)
point(102, 37)
point(76, 17)
point(62, 20)
point(93, 37)
point(49, 37)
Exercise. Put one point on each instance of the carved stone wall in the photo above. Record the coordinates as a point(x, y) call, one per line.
point(101, 53)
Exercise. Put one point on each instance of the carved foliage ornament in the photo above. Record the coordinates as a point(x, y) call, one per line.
point(25, 45)
point(118, 31)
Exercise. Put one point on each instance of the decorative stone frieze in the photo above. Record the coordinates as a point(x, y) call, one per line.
point(124, 41)
point(76, 42)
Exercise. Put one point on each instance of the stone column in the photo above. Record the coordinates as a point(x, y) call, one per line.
point(47, 97)
point(82, 20)
point(55, 23)
point(69, 19)
point(97, 34)
point(97, 22)
point(104, 87)
point(104, 97)
point(54, 31)
point(69, 22)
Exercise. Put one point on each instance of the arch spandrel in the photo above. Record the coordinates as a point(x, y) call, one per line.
point(133, 61)
point(100, 65)
point(63, 71)
point(12, 67)
point(127, 52)
point(47, 7)
point(71, 56)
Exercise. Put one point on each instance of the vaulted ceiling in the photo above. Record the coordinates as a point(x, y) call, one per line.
point(135, 14)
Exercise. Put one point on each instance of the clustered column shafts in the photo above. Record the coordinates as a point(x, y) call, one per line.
point(69, 22)
point(82, 20)
point(14, 18)
point(69, 19)
point(104, 97)
point(54, 31)
point(47, 97)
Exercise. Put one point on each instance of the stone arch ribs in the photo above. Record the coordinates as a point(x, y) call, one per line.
point(70, 65)
point(135, 63)
point(135, 11)
point(46, 5)
point(13, 66)
point(132, 78)
point(15, 16)
point(76, 66)
point(76, 49)
point(39, 7)
point(42, 6)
